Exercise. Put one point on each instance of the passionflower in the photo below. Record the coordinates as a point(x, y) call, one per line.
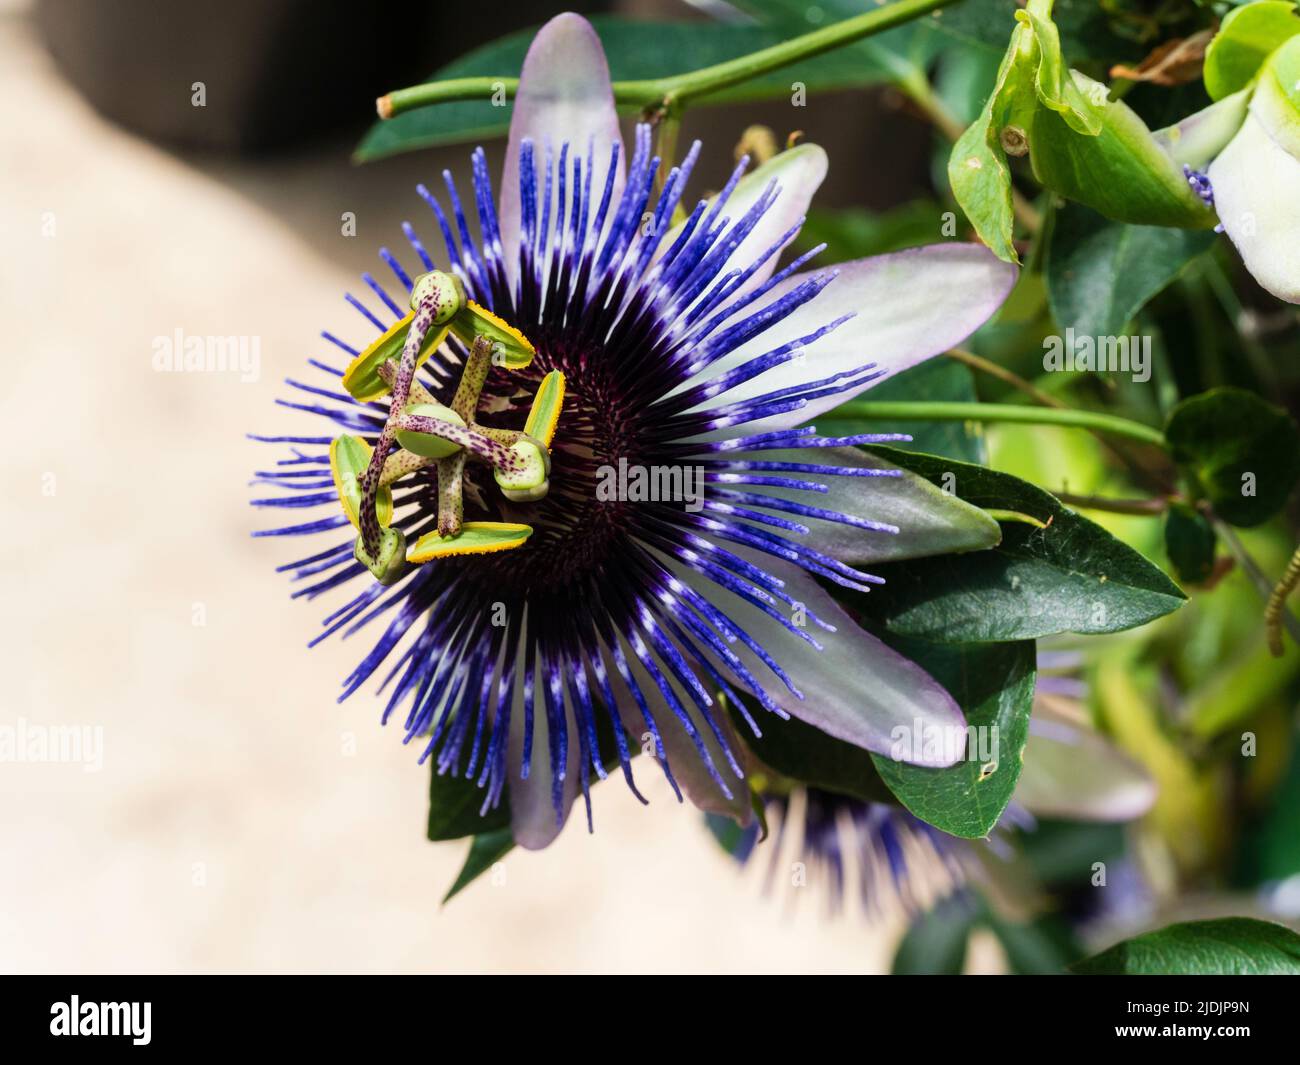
point(847, 848)
point(891, 860)
point(545, 619)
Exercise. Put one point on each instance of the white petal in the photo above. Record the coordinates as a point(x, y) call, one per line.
point(532, 813)
point(1255, 182)
point(564, 95)
point(929, 520)
point(855, 688)
point(798, 172)
point(688, 768)
point(908, 306)
point(1200, 137)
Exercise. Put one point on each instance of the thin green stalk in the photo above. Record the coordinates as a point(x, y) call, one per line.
point(997, 412)
point(976, 362)
point(1256, 574)
point(681, 88)
point(1138, 507)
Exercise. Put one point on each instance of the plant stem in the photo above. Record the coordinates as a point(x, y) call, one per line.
point(998, 412)
point(680, 88)
point(1141, 507)
point(976, 362)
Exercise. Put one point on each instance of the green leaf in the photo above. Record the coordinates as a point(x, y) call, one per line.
point(935, 944)
point(1085, 26)
point(1124, 172)
point(1101, 273)
point(994, 686)
point(1074, 136)
point(801, 752)
point(1247, 37)
point(1036, 948)
point(454, 804)
point(636, 51)
point(730, 836)
point(485, 850)
point(935, 380)
point(1242, 453)
point(1232, 946)
point(977, 167)
point(1056, 88)
point(1190, 542)
point(1071, 576)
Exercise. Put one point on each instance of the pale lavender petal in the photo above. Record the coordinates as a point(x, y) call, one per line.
point(929, 520)
point(564, 95)
point(797, 174)
point(688, 769)
point(854, 688)
point(907, 307)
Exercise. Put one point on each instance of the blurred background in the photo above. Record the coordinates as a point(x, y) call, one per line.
point(241, 819)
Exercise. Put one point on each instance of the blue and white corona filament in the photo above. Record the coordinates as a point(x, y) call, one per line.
point(535, 662)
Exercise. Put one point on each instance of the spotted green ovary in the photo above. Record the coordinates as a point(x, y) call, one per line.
point(426, 444)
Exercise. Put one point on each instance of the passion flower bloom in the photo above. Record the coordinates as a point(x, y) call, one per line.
point(524, 659)
point(891, 859)
point(877, 852)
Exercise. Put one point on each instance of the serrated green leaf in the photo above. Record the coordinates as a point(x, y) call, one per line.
point(994, 686)
point(1101, 273)
point(1232, 946)
point(1072, 576)
point(1241, 452)
point(485, 850)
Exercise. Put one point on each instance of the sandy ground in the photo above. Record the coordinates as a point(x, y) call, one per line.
point(241, 820)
